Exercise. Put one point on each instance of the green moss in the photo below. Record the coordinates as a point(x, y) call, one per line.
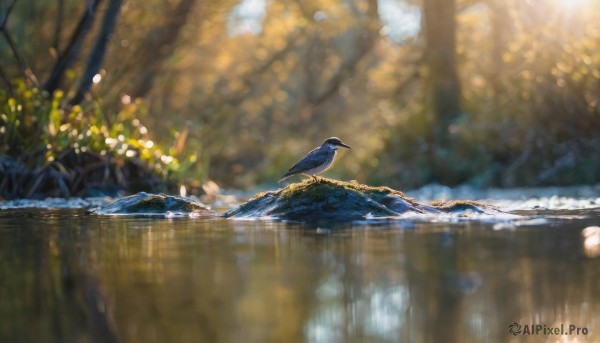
point(322, 187)
point(444, 205)
point(322, 198)
point(339, 200)
point(154, 203)
point(454, 206)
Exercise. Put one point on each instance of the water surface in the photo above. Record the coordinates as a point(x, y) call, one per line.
point(66, 276)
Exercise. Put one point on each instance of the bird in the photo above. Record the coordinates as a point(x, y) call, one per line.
point(316, 161)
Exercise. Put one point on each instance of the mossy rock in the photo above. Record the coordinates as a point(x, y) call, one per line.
point(328, 199)
point(155, 204)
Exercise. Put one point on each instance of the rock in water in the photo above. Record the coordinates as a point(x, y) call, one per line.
point(336, 200)
point(156, 204)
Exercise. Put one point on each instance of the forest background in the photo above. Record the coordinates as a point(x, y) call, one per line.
point(484, 92)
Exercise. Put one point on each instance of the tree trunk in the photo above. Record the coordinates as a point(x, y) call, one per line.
point(160, 44)
point(500, 33)
point(443, 84)
point(97, 55)
point(71, 52)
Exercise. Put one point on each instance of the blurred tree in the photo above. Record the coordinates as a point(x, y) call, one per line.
point(499, 34)
point(23, 67)
point(72, 51)
point(157, 46)
point(482, 91)
point(444, 88)
point(97, 54)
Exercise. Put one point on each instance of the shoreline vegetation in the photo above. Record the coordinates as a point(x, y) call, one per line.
point(49, 148)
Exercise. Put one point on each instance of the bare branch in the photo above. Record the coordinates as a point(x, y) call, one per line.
point(364, 42)
point(155, 46)
point(23, 68)
point(97, 55)
point(6, 14)
point(252, 76)
point(58, 27)
point(71, 52)
point(6, 81)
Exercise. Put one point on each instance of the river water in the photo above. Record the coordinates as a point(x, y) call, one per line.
point(69, 276)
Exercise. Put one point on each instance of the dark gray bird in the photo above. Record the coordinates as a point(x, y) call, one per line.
point(318, 160)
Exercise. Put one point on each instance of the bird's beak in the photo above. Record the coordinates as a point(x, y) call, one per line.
point(345, 146)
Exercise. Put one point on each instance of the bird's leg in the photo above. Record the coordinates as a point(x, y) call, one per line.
point(315, 179)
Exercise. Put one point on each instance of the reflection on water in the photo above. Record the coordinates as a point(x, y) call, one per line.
point(70, 277)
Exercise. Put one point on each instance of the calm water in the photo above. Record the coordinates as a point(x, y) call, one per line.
point(66, 276)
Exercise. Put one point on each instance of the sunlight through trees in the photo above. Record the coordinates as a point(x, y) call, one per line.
point(485, 92)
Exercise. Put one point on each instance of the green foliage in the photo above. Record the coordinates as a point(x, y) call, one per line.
point(254, 103)
point(37, 128)
point(34, 120)
point(530, 96)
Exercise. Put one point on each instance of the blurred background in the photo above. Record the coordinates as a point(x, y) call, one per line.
point(485, 92)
